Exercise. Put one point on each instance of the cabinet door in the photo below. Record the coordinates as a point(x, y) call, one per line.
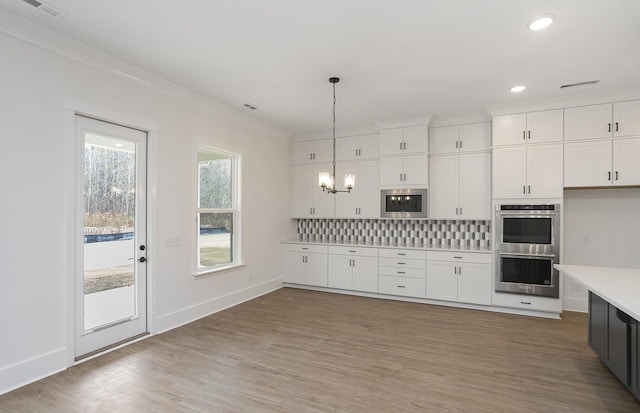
point(626, 117)
point(443, 187)
point(545, 126)
point(587, 163)
point(475, 137)
point(340, 272)
point(365, 274)
point(626, 161)
point(443, 140)
point(316, 269)
point(323, 203)
point(545, 171)
point(442, 280)
point(301, 152)
point(347, 204)
point(391, 142)
point(347, 148)
point(598, 322)
point(474, 186)
point(391, 171)
point(635, 360)
point(618, 345)
point(509, 172)
point(369, 146)
point(509, 129)
point(368, 189)
point(416, 139)
point(474, 283)
point(293, 267)
point(416, 170)
point(301, 191)
point(323, 150)
point(588, 122)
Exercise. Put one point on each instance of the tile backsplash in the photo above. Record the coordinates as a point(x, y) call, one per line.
point(397, 231)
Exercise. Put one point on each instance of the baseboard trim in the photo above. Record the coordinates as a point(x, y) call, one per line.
point(580, 305)
point(29, 371)
point(195, 312)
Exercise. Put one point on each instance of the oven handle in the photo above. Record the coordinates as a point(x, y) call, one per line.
point(508, 254)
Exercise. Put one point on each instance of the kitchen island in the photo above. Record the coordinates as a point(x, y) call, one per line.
point(614, 311)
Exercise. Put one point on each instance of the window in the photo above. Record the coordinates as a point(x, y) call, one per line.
point(218, 214)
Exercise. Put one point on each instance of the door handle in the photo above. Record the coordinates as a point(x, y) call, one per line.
point(609, 127)
point(142, 259)
point(616, 126)
point(609, 177)
point(616, 175)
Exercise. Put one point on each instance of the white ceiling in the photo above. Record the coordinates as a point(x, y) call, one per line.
point(402, 59)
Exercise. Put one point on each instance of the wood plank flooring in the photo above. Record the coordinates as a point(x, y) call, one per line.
point(305, 351)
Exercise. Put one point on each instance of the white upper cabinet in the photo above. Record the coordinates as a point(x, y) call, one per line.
point(400, 141)
point(534, 171)
point(610, 162)
point(602, 121)
point(626, 118)
point(307, 198)
point(358, 147)
point(320, 150)
point(464, 138)
point(525, 128)
point(364, 199)
point(460, 186)
point(588, 122)
point(411, 171)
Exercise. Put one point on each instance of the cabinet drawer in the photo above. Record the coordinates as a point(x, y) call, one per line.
point(479, 258)
point(403, 253)
point(355, 251)
point(402, 272)
point(527, 302)
point(403, 263)
point(408, 287)
point(321, 249)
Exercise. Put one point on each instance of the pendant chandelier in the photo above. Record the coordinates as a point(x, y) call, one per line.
point(326, 179)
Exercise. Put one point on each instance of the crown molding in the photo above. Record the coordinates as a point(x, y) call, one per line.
point(31, 33)
point(402, 123)
point(592, 98)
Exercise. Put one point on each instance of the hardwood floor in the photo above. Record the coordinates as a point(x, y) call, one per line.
point(305, 351)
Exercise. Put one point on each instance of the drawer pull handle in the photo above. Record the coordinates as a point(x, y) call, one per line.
point(305, 248)
point(401, 263)
point(402, 254)
point(401, 272)
point(401, 286)
point(525, 302)
point(351, 251)
point(457, 257)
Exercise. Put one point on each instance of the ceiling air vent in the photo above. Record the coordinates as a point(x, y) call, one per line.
point(46, 8)
point(590, 82)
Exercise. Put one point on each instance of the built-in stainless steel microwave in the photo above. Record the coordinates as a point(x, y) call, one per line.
point(403, 203)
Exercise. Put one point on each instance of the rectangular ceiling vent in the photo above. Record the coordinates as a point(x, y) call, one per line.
point(46, 8)
point(590, 82)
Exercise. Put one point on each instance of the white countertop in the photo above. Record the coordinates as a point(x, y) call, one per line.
point(618, 286)
point(432, 247)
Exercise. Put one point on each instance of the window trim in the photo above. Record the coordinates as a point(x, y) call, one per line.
point(202, 271)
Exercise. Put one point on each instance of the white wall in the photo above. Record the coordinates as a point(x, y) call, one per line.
point(36, 164)
point(601, 227)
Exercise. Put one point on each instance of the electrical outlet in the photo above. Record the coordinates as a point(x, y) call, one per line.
point(587, 239)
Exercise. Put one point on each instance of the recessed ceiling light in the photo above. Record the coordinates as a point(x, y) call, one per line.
point(541, 22)
point(518, 88)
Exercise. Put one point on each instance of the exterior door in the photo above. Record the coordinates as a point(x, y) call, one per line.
point(111, 276)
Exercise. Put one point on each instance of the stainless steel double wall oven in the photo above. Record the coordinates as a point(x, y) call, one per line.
point(527, 245)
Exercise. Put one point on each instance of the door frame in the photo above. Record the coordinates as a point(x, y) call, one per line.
point(73, 108)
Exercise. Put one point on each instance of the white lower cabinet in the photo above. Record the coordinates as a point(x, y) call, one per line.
point(461, 277)
point(305, 264)
point(402, 272)
point(353, 268)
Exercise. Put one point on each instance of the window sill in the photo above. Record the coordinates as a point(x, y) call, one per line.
point(219, 270)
